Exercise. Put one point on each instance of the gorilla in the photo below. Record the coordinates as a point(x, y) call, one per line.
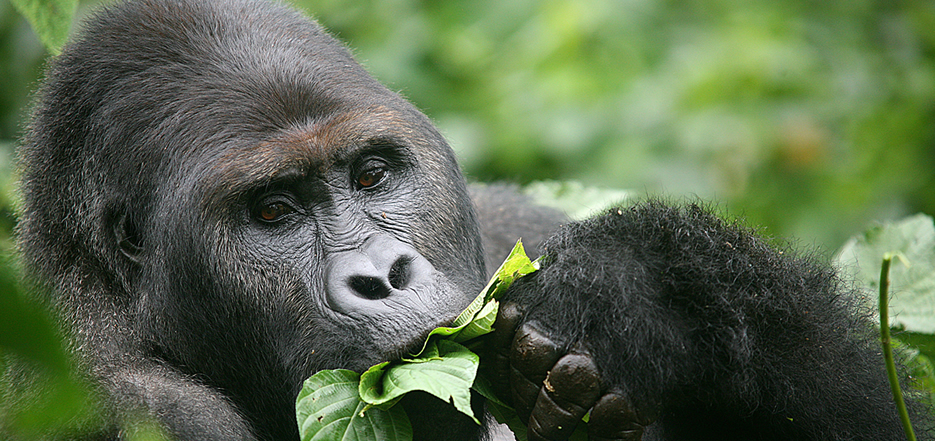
point(221, 202)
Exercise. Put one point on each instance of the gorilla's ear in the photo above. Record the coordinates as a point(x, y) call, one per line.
point(127, 236)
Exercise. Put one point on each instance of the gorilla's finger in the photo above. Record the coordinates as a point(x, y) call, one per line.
point(569, 390)
point(524, 393)
point(532, 355)
point(613, 418)
point(496, 364)
point(504, 328)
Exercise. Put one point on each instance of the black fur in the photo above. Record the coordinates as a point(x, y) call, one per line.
point(166, 132)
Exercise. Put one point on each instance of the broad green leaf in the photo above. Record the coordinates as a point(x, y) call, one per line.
point(329, 409)
point(444, 369)
point(913, 285)
point(51, 19)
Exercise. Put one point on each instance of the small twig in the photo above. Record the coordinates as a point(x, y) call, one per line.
point(888, 347)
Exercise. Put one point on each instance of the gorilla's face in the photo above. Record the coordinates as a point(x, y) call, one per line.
point(335, 243)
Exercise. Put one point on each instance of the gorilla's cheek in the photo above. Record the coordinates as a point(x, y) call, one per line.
point(348, 306)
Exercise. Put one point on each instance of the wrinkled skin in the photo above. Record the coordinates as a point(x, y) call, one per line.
point(223, 202)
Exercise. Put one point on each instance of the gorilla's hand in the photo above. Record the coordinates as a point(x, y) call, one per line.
point(652, 310)
point(552, 388)
point(593, 331)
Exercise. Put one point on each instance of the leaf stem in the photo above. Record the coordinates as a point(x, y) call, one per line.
point(888, 347)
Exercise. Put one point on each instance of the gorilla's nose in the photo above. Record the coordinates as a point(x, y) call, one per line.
point(382, 268)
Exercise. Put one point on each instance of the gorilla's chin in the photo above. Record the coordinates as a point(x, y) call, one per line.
point(437, 420)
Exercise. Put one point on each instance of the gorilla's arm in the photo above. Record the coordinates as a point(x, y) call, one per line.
point(696, 324)
point(185, 408)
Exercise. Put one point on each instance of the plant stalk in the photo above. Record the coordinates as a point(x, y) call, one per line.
point(888, 347)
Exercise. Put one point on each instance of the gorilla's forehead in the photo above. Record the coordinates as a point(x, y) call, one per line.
point(235, 95)
point(313, 147)
point(197, 65)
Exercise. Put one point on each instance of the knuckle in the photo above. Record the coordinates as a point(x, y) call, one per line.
point(524, 393)
point(613, 417)
point(533, 353)
point(575, 379)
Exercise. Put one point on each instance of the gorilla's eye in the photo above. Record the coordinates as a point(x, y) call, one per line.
point(371, 177)
point(274, 211)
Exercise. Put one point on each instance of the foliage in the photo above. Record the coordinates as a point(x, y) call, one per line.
point(38, 392)
point(913, 284)
point(813, 118)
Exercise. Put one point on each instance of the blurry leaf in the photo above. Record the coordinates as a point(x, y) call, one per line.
point(51, 19)
point(143, 427)
point(921, 370)
point(329, 408)
point(26, 330)
point(912, 286)
point(40, 395)
point(38, 403)
point(574, 198)
point(923, 342)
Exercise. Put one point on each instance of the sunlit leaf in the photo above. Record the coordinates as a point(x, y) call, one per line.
point(913, 284)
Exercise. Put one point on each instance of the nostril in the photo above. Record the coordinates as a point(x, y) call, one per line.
point(399, 273)
point(372, 288)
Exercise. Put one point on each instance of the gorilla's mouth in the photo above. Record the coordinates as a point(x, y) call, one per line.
point(438, 420)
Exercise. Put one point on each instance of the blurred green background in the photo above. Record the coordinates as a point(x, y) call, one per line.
point(811, 118)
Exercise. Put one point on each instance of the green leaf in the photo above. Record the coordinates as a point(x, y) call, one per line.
point(51, 19)
point(329, 409)
point(478, 318)
point(444, 369)
point(516, 265)
point(912, 284)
